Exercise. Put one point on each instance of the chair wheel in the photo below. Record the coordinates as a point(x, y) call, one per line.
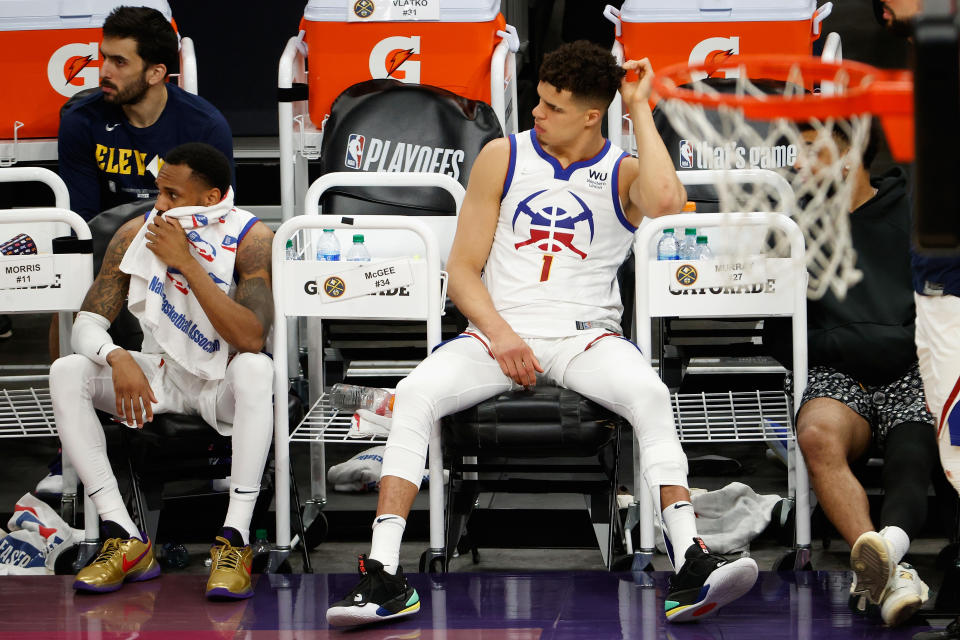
point(64, 563)
point(316, 533)
point(787, 562)
point(436, 565)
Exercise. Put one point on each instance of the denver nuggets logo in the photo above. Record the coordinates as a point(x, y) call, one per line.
point(552, 228)
point(686, 275)
point(363, 8)
point(334, 286)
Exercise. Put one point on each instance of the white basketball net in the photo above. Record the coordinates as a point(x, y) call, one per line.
point(822, 182)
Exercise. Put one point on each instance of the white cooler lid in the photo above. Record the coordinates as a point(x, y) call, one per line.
point(450, 10)
point(25, 15)
point(716, 10)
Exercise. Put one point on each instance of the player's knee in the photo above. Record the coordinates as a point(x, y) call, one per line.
point(254, 371)
point(819, 444)
point(412, 389)
point(68, 373)
point(664, 463)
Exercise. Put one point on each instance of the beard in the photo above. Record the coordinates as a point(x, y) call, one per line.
point(131, 94)
point(900, 28)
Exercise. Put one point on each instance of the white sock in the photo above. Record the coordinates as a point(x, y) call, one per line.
point(109, 504)
point(680, 528)
point(898, 539)
point(385, 545)
point(240, 509)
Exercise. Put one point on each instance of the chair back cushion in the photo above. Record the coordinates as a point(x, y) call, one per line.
point(389, 126)
point(545, 421)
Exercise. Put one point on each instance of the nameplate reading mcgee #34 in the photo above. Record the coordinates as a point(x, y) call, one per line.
point(364, 279)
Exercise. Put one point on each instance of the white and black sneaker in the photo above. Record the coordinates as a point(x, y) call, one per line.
point(706, 582)
point(905, 594)
point(871, 559)
point(379, 596)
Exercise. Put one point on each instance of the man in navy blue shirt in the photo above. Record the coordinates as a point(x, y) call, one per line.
point(112, 142)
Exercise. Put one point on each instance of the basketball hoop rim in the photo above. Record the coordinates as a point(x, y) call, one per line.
point(871, 90)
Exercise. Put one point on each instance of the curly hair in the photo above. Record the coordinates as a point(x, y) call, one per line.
point(585, 69)
point(156, 40)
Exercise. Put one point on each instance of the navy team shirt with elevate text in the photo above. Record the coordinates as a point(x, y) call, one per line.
point(105, 161)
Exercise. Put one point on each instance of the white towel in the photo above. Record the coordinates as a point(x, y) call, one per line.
point(160, 296)
point(728, 518)
point(366, 423)
point(37, 537)
point(361, 473)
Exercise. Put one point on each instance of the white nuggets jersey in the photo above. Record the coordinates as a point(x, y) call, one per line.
point(560, 239)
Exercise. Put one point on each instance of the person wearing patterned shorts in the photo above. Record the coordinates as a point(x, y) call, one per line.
point(864, 393)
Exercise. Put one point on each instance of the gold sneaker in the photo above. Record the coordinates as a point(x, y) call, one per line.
point(230, 571)
point(120, 560)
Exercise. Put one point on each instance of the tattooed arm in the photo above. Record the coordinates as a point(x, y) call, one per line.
point(105, 299)
point(109, 290)
point(243, 321)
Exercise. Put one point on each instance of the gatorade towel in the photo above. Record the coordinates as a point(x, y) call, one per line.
point(19, 245)
point(37, 537)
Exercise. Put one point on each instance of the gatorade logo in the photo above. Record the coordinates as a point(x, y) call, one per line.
point(396, 57)
point(714, 52)
point(69, 70)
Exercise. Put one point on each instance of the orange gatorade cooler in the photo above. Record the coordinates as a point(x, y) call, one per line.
point(445, 43)
point(51, 51)
point(696, 31)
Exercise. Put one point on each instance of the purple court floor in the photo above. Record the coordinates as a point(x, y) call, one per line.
point(484, 606)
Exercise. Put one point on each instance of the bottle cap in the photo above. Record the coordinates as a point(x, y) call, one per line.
point(690, 232)
point(701, 239)
point(261, 534)
point(358, 237)
point(668, 230)
point(326, 230)
point(690, 206)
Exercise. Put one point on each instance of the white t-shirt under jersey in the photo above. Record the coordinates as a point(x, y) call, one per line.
point(560, 239)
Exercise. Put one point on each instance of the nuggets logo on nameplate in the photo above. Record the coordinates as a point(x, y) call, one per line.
point(375, 278)
point(363, 8)
point(687, 275)
point(334, 287)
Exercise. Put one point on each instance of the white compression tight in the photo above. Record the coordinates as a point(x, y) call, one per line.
point(612, 373)
point(79, 385)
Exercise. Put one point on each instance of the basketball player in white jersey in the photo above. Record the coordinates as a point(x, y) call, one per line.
point(548, 217)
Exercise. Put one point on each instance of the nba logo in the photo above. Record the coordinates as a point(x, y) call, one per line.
point(686, 155)
point(354, 151)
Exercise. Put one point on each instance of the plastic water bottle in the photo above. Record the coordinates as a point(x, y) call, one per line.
point(291, 252)
point(688, 246)
point(353, 397)
point(703, 250)
point(329, 247)
point(358, 251)
point(260, 544)
point(667, 248)
point(174, 556)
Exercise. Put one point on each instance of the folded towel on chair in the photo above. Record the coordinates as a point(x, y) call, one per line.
point(160, 296)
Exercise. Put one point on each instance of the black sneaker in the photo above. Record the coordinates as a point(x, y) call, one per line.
point(379, 596)
point(706, 582)
point(6, 327)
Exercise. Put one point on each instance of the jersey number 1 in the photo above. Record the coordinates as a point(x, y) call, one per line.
point(545, 271)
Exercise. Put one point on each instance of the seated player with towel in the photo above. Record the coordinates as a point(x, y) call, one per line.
point(197, 270)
